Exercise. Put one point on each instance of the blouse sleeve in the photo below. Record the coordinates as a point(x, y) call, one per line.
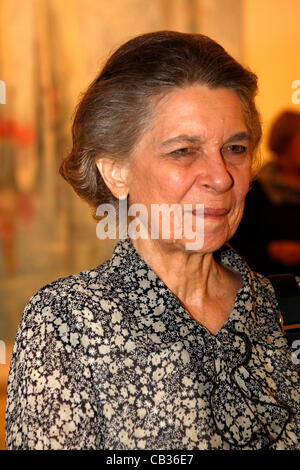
point(51, 403)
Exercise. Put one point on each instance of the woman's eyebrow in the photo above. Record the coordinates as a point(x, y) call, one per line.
point(196, 139)
point(184, 138)
point(240, 136)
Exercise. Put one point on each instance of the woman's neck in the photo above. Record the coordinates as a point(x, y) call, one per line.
point(191, 276)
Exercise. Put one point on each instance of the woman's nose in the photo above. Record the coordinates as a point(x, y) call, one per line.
point(215, 175)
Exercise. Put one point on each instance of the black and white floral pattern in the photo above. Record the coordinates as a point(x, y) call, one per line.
point(110, 359)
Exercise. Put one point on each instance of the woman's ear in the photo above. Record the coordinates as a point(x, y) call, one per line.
point(115, 176)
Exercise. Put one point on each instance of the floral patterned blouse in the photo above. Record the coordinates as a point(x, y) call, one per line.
point(110, 359)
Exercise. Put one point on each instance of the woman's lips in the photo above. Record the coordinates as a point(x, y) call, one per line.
point(211, 212)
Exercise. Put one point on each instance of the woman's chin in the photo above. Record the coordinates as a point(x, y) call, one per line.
point(200, 244)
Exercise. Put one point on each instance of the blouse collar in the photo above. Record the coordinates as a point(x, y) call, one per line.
point(130, 271)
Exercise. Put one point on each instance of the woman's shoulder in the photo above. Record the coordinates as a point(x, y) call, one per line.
point(271, 298)
point(265, 286)
point(83, 284)
point(74, 302)
point(265, 282)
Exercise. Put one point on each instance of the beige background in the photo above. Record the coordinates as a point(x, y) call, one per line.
point(49, 51)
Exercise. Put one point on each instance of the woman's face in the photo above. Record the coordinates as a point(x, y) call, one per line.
point(196, 152)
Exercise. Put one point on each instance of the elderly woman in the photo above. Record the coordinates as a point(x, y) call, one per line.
point(174, 343)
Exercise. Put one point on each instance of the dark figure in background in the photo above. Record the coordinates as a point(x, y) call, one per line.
point(269, 234)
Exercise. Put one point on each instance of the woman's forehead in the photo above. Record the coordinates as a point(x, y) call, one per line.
point(198, 98)
point(196, 112)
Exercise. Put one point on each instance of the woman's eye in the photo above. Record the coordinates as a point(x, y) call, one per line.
point(235, 149)
point(184, 152)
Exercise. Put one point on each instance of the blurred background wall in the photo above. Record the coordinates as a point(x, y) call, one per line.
point(271, 48)
point(49, 52)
